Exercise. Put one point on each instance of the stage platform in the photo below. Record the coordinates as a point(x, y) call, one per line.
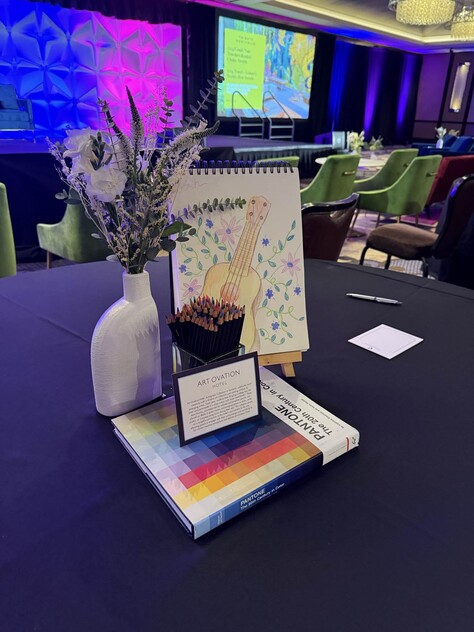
point(249, 149)
point(29, 173)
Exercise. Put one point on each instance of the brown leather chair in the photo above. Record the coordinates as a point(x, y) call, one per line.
point(325, 227)
point(412, 243)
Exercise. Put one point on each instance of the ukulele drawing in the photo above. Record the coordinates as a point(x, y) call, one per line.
point(247, 250)
point(237, 282)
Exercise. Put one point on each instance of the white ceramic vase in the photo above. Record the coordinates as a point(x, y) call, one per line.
point(439, 143)
point(125, 350)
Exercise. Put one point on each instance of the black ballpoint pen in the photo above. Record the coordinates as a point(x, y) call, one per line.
point(375, 299)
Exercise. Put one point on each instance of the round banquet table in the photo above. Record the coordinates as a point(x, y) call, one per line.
point(365, 164)
point(379, 539)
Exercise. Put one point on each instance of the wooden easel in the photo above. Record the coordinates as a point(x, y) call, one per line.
point(285, 359)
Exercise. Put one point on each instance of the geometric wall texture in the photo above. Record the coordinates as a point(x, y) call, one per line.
point(64, 60)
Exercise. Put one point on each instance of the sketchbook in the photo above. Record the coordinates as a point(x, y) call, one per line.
point(248, 249)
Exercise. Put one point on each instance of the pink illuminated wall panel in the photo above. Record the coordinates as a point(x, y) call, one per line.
point(64, 60)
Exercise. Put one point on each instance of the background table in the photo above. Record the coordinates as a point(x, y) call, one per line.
point(365, 164)
point(379, 539)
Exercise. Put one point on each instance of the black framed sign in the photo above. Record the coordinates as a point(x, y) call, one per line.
point(216, 396)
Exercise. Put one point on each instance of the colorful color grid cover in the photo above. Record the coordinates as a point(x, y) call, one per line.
point(209, 481)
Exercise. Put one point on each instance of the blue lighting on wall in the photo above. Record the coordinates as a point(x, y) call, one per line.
point(340, 67)
point(376, 65)
point(409, 71)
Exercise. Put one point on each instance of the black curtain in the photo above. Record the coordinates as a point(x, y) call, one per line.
point(395, 90)
point(347, 95)
point(200, 54)
point(155, 11)
point(318, 103)
point(373, 89)
point(383, 122)
point(410, 81)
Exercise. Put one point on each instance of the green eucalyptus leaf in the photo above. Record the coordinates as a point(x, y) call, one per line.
point(173, 228)
point(151, 253)
point(167, 244)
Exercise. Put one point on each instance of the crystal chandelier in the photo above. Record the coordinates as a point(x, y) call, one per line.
point(462, 25)
point(423, 12)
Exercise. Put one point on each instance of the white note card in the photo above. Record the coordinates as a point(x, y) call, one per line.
point(386, 341)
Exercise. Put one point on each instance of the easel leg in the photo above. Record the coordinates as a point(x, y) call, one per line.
point(288, 369)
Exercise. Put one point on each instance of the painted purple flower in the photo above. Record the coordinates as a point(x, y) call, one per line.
point(228, 231)
point(209, 223)
point(269, 293)
point(291, 264)
point(192, 289)
point(297, 291)
point(182, 268)
point(265, 241)
point(275, 325)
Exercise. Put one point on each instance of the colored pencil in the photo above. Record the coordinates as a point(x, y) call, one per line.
point(207, 327)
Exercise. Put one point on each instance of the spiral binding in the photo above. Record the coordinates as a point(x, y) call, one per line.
point(239, 166)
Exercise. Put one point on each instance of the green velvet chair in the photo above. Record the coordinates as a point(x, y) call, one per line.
point(7, 245)
point(334, 181)
point(71, 237)
point(406, 196)
point(396, 164)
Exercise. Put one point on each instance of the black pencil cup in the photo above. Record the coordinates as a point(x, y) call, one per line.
point(184, 359)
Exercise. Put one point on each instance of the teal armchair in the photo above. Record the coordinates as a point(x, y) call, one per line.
point(334, 181)
point(396, 164)
point(71, 237)
point(15, 113)
point(406, 196)
point(7, 245)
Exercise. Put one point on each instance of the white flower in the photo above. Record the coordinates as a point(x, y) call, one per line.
point(79, 148)
point(106, 183)
point(78, 142)
point(440, 131)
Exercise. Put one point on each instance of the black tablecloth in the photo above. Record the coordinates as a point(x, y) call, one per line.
point(379, 539)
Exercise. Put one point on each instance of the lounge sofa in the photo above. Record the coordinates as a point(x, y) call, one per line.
point(15, 113)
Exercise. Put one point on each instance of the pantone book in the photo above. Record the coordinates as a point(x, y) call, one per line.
point(209, 481)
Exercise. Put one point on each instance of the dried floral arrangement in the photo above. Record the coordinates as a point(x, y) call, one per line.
point(375, 143)
point(356, 141)
point(126, 182)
